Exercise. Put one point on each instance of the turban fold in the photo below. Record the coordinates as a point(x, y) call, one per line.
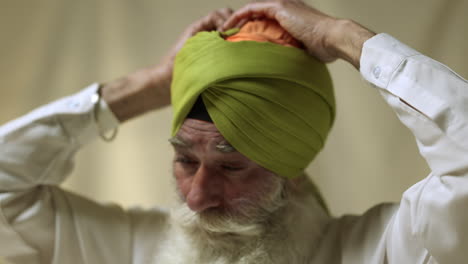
point(272, 103)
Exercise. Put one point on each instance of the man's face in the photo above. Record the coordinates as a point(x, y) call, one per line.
point(211, 175)
point(233, 210)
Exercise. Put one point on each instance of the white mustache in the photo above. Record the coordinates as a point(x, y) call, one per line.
point(246, 217)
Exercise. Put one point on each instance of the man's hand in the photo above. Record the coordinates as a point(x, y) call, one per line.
point(149, 88)
point(325, 37)
point(213, 21)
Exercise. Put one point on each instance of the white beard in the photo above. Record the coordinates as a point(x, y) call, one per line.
point(288, 234)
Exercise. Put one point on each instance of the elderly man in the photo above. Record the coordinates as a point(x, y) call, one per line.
point(242, 202)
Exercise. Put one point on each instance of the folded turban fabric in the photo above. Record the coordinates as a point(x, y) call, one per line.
point(273, 103)
point(265, 30)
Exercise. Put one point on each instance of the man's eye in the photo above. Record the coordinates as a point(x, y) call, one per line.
point(231, 168)
point(185, 161)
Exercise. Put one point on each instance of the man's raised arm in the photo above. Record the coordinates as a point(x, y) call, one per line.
point(38, 220)
point(325, 37)
point(149, 89)
point(431, 100)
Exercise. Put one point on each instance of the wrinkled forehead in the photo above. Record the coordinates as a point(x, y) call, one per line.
point(199, 129)
point(195, 126)
point(194, 131)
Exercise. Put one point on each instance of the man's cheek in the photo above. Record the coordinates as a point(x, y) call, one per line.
point(183, 183)
point(234, 193)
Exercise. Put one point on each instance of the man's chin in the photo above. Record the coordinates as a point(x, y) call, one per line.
point(273, 230)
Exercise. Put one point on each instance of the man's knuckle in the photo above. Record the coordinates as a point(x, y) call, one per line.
point(225, 10)
point(209, 18)
point(194, 24)
point(282, 3)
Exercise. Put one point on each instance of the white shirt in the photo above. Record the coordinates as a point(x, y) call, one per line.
point(41, 223)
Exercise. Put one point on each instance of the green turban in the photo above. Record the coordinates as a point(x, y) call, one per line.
point(274, 104)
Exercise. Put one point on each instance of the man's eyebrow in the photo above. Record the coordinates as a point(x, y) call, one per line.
point(178, 142)
point(225, 147)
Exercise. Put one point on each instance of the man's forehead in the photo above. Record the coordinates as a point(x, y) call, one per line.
point(198, 130)
point(195, 131)
point(198, 125)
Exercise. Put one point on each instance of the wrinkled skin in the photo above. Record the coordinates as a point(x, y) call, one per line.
point(325, 37)
point(303, 22)
point(208, 178)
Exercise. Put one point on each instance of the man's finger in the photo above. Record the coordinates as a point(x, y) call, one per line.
point(218, 23)
point(252, 10)
point(226, 13)
point(213, 21)
point(242, 22)
point(221, 16)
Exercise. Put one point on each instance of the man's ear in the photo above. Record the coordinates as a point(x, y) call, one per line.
point(297, 184)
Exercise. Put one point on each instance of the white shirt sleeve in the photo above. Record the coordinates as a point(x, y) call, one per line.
point(36, 154)
point(432, 101)
point(37, 148)
point(431, 223)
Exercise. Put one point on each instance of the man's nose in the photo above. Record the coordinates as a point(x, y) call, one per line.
point(205, 191)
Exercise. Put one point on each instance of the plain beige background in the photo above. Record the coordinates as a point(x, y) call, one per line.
point(52, 48)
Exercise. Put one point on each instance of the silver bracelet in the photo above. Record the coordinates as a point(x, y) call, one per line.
point(96, 100)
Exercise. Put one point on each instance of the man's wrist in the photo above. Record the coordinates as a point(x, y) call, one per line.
point(346, 39)
point(138, 93)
